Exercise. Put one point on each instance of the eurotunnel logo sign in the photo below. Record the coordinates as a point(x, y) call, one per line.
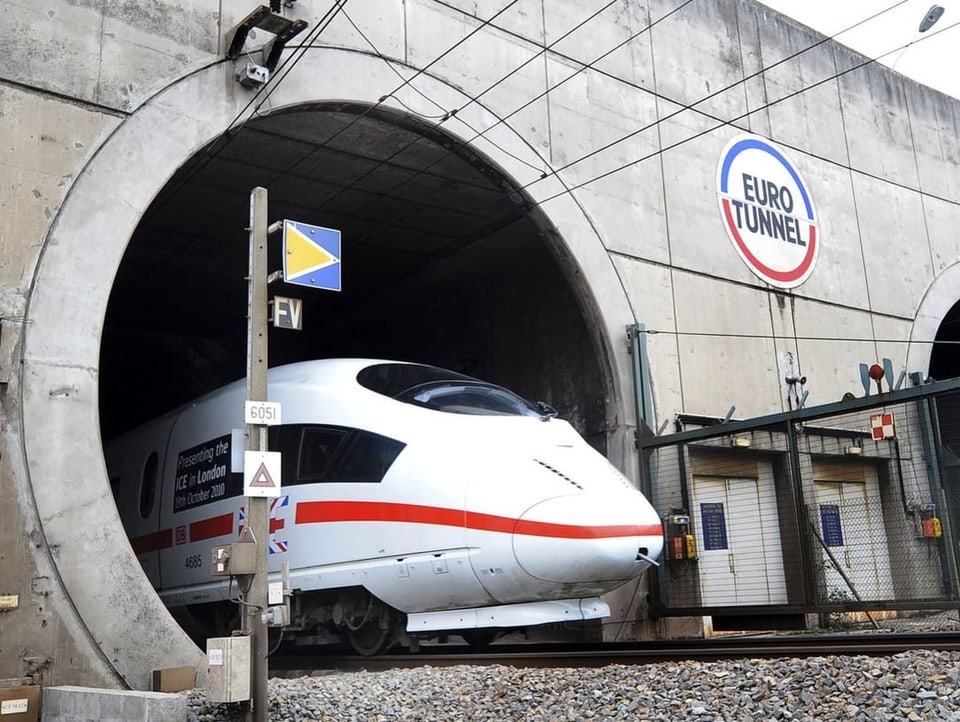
point(311, 256)
point(767, 211)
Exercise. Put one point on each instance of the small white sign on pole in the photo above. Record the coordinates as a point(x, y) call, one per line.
point(261, 413)
point(261, 473)
point(275, 593)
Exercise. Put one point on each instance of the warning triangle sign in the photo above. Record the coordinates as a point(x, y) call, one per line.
point(262, 479)
point(262, 473)
point(311, 255)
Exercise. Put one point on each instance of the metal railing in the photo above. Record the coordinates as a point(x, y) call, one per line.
point(849, 506)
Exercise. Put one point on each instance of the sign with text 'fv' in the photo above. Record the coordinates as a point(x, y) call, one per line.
point(288, 312)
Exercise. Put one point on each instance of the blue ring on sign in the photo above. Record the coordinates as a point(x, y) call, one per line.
point(754, 144)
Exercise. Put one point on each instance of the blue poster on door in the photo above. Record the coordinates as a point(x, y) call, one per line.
point(830, 524)
point(713, 521)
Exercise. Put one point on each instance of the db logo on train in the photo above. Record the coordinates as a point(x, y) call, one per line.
point(767, 211)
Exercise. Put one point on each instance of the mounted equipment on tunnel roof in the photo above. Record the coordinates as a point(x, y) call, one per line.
point(264, 19)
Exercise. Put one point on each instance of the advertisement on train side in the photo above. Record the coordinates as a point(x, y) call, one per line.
point(204, 475)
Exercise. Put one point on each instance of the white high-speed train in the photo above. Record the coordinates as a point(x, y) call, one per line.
point(413, 499)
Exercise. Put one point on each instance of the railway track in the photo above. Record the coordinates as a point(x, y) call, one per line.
point(302, 662)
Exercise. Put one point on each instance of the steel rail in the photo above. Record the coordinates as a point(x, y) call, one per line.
point(303, 662)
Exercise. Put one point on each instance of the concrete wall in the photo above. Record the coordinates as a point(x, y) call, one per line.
point(100, 103)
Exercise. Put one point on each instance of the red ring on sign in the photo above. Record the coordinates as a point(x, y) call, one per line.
point(781, 276)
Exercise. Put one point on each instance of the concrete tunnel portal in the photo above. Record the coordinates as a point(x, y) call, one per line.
point(139, 301)
point(444, 262)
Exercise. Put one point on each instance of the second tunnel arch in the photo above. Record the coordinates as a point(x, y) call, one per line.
point(60, 374)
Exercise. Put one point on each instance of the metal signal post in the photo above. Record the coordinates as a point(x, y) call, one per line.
point(321, 256)
point(255, 600)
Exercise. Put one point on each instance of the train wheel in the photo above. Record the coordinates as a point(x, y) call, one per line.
point(369, 638)
point(371, 633)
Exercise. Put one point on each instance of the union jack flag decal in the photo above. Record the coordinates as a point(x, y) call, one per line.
point(275, 545)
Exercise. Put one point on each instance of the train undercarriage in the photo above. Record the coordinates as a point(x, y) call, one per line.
point(351, 618)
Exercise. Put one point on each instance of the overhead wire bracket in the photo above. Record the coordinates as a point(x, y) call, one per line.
point(265, 19)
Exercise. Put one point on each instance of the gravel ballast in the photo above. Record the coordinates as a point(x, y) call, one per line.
point(918, 685)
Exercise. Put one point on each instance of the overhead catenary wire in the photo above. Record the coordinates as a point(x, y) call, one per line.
point(284, 69)
point(234, 126)
point(494, 224)
point(420, 71)
point(733, 121)
point(405, 82)
point(589, 66)
point(450, 113)
point(710, 96)
point(447, 113)
point(473, 99)
point(720, 122)
point(290, 63)
point(501, 119)
point(683, 107)
point(769, 104)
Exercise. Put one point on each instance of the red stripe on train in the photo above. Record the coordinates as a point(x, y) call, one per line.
point(311, 512)
point(213, 527)
point(152, 542)
point(314, 512)
point(199, 531)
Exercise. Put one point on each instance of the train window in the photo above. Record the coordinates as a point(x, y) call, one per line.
point(333, 453)
point(148, 485)
point(318, 445)
point(393, 379)
point(366, 459)
point(443, 390)
point(473, 398)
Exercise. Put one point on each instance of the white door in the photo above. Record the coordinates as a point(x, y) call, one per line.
point(851, 526)
point(736, 526)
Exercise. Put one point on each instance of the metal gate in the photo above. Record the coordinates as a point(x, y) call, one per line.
point(849, 506)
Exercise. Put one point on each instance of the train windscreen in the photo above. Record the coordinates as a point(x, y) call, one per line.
point(443, 390)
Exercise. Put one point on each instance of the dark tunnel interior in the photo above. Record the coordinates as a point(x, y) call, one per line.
point(444, 261)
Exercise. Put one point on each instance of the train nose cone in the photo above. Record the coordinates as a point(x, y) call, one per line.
point(577, 539)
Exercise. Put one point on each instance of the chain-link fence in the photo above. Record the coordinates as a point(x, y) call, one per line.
point(852, 506)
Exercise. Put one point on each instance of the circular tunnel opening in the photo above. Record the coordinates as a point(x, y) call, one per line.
point(444, 261)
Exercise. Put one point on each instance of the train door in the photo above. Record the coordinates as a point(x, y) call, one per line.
point(736, 526)
point(850, 520)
